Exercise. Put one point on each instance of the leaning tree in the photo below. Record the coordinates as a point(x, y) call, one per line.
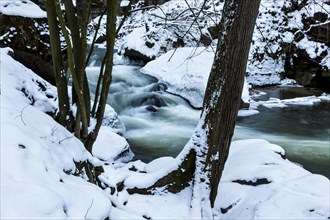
point(203, 158)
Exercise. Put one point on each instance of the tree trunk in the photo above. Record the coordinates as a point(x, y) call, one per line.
point(64, 115)
point(208, 149)
point(225, 84)
point(107, 76)
point(79, 59)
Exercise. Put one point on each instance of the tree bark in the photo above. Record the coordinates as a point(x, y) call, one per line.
point(64, 115)
point(212, 137)
point(79, 59)
point(107, 76)
point(225, 84)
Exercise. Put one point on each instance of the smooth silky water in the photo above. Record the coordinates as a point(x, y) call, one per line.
point(160, 124)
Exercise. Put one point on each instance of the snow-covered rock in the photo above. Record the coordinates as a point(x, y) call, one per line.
point(186, 71)
point(308, 100)
point(258, 183)
point(111, 120)
point(109, 146)
point(23, 8)
point(283, 43)
point(158, 163)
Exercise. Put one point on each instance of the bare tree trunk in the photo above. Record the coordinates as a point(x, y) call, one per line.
point(76, 40)
point(64, 115)
point(225, 84)
point(107, 76)
point(208, 148)
point(79, 58)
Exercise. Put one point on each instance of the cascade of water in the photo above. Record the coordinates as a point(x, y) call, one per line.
point(159, 123)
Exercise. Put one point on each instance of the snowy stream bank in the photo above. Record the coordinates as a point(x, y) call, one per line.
point(159, 123)
point(37, 157)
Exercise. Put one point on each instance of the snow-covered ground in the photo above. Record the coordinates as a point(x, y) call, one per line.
point(257, 183)
point(37, 157)
point(38, 154)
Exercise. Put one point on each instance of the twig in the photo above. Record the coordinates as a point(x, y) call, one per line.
point(21, 115)
point(65, 139)
point(85, 217)
point(54, 129)
point(97, 28)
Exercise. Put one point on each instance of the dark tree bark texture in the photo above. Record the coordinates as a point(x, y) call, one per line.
point(76, 43)
point(59, 72)
point(225, 84)
point(208, 148)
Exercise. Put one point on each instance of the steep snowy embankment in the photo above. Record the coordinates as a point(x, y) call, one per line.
point(38, 154)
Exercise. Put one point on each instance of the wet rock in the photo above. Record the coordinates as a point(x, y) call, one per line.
point(206, 40)
point(244, 105)
point(36, 64)
point(153, 100)
point(137, 55)
point(157, 87)
point(151, 108)
point(29, 39)
point(303, 69)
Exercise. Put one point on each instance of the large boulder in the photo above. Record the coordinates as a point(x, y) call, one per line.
point(36, 64)
point(24, 28)
point(25, 34)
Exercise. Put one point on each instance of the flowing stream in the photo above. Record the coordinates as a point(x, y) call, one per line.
point(159, 124)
